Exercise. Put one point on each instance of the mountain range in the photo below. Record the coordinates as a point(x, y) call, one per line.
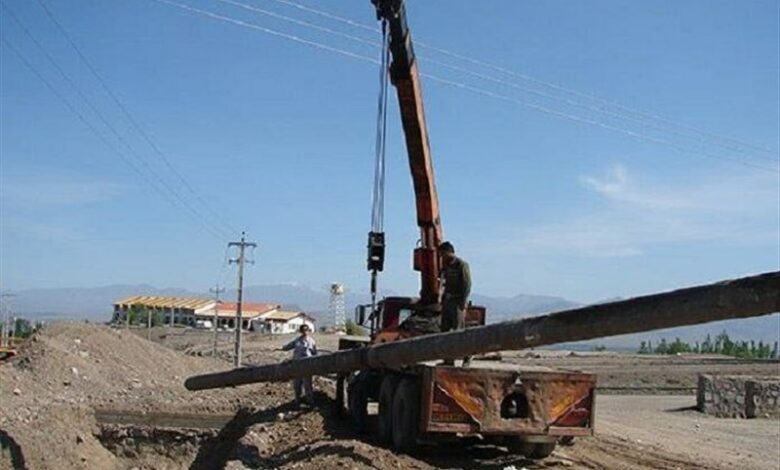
point(95, 304)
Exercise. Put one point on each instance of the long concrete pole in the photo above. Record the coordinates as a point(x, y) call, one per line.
point(740, 298)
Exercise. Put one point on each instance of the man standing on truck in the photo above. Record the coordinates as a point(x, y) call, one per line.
point(303, 346)
point(456, 278)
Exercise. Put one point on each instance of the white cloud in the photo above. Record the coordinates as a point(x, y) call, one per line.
point(634, 214)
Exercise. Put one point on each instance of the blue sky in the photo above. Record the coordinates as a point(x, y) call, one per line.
point(543, 189)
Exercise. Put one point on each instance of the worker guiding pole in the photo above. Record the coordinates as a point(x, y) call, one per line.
point(302, 347)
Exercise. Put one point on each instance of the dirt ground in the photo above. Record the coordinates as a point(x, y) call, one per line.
point(54, 396)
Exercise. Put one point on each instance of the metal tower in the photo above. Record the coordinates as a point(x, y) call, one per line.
point(336, 306)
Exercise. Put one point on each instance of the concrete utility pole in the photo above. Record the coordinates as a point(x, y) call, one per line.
point(739, 298)
point(242, 245)
point(5, 332)
point(216, 291)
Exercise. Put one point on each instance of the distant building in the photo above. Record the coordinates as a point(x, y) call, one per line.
point(281, 321)
point(189, 311)
point(175, 310)
point(226, 314)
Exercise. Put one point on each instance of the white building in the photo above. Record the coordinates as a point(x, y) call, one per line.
point(281, 321)
point(226, 314)
point(187, 311)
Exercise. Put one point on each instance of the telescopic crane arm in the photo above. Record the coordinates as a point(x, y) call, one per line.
point(406, 79)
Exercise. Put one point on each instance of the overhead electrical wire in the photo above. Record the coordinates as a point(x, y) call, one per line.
point(138, 128)
point(300, 22)
point(482, 76)
point(330, 16)
point(644, 115)
point(471, 88)
point(172, 197)
point(736, 144)
point(270, 31)
point(72, 108)
point(581, 120)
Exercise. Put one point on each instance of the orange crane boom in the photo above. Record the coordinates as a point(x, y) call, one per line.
point(406, 80)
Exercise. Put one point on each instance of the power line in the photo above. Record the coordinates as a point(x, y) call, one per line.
point(646, 116)
point(92, 128)
point(270, 31)
point(330, 16)
point(299, 22)
point(642, 116)
point(177, 199)
point(587, 106)
point(478, 90)
point(637, 135)
point(130, 118)
point(513, 84)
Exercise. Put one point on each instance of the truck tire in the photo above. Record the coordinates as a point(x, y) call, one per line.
point(406, 414)
point(385, 419)
point(542, 450)
point(357, 398)
point(531, 450)
point(520, 447)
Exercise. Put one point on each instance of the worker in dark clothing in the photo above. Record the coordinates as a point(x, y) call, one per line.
point(456, 277)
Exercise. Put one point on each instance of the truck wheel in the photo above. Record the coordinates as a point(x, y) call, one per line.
point(357, 398)
point(406, 414)
point(566, 441)
point(519, 447)
point(542, 450)
point(385, 421)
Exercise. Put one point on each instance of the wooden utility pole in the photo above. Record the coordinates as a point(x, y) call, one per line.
point(242, 245)
point(216, 291)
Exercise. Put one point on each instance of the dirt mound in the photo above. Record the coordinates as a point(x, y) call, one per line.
point(67, 370)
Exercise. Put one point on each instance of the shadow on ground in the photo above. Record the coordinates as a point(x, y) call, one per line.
point(9, 445)
point(227, 445)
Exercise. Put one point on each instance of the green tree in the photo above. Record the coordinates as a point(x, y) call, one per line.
point(706, 346)
point(22, 328)
point(643, 348)
point(158, 318)
point(678, 347)
point(352, 328)
point(138, 316)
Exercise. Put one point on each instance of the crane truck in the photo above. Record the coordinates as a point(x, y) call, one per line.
point(527, 409)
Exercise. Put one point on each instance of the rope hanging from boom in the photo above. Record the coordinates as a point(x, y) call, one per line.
point(376, 237)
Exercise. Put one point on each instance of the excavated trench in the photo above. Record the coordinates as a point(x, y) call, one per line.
point(138, 443)
point(173, 441)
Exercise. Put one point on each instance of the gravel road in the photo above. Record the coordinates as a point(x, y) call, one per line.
point(667, 424)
